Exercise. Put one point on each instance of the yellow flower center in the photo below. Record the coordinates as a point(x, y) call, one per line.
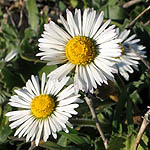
point(80, 50)
point(42, 106)
point(122, 50)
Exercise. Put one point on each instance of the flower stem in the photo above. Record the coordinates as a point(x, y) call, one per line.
point(92, 109)
point(136, 18)
point(130, 3)
point(145, 123)
point(32, 146)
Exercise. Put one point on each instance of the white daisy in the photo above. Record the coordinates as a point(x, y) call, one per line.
point(44, 108)
point(86, 47)
point(128, 58)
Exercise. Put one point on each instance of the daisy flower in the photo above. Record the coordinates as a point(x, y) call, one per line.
point(44, 108)
point(86, 48)
point(128, 59)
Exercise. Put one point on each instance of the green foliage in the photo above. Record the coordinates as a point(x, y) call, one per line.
point(4, 132)
point(62, 6)
point(74, 3)
point(117, 110)
point(9, 78)
point(52, 146)
point(76, 139)
point(126, 142)
point(33, 14)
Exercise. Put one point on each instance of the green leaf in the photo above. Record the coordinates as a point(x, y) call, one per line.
point(62, 6)
point(98, 144)
point(135, 97)
point(96, 3)
point(52, 146)
point(47, 69)
point(9, 32)
point(120, 143)
point(115, 12)
point(119, 107)
point(112, 2)
point(33, 14)
point(83, 122)
point(1, 14)
point(29, 33)
point(2, 64)
point(126, 142)
point(74, 3)
point(4, 131)
point(137, 83)
point(28, 46)
point(74, 138)
point(10, 79)
point(129, 116)
point(62, 141)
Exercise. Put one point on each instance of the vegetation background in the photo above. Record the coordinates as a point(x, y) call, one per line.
point(119, 106)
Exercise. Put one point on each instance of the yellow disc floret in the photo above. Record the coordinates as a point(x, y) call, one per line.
point(42, 106)
point(122, 50)
point(80, 50)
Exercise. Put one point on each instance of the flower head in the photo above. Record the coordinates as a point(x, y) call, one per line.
point(44, 108)
point(86, 47)
point(128, 58)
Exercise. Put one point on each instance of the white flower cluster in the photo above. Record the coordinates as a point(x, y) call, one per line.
point(88, 48)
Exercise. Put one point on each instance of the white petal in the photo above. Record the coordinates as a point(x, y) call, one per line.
point(64, 69)
point(95, 74)
point(20, 121)
point(102, 78)
point(60, 31)
point(85, 14)
point(66, 92)
point(91, 76)
point(18, 105)
point(47, 130)
point(22, 93)
point(102, 28)
point(130, 38)
point(60, 115)
point(54, 135)
point(124, 34)
point(60, 85)
point(38, 136)
point(52, 125)
point(36, 85)
point(69, 124)
point(89, 26)
point(97, 23)
point(55, 122)
point(43, 83)
point(32, 130)
point(77, 19)
point(68, 100)
point(11, 55)
point(72, 24)
point(24, 127)
point(65, 23)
